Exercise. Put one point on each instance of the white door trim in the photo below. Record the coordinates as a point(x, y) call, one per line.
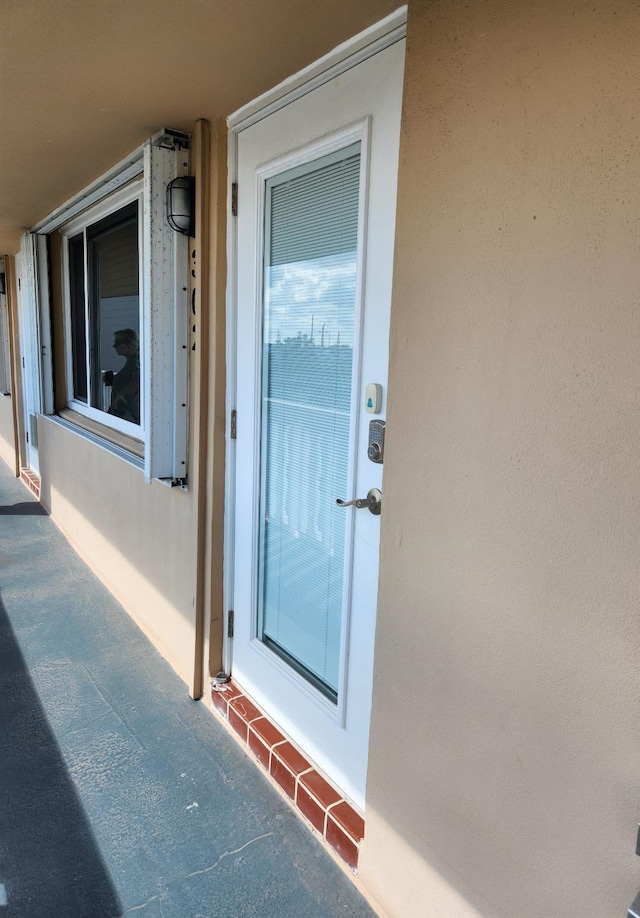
point(366, 44)
point(376, 38)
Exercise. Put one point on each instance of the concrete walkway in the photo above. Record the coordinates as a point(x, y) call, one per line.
point(118, 794)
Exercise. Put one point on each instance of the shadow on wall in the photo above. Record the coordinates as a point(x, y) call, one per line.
point(49, 862)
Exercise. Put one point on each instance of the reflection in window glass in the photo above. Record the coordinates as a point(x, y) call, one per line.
point(311, 230)
point(105, 317)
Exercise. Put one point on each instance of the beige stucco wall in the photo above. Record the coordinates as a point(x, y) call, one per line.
point(504, 775)
point(7, 439)
point(151, 545)
point(140, 539)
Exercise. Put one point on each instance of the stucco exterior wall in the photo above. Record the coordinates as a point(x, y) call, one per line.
point(505, 755)
point(140, 539)
point(7, 439)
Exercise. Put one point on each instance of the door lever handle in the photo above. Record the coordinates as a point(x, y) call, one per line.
point(373, 502)
point(358, 503)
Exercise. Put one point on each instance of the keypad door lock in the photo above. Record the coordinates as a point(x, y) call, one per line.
point(375, 449)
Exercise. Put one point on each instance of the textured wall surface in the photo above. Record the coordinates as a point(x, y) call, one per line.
point(7, 440)
point(138, 538)
point(505, 748)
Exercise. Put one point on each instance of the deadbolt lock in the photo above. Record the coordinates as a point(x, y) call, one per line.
point(375, 449)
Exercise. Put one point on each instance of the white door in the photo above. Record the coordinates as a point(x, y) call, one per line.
point(315, 231)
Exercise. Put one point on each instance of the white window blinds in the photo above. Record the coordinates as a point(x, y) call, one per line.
point(311, 231)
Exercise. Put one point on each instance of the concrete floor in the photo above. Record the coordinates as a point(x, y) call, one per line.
point(118, 794)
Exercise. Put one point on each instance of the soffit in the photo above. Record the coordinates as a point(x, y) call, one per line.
point(83, 82)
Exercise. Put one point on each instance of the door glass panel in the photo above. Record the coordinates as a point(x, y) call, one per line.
point(311, 230)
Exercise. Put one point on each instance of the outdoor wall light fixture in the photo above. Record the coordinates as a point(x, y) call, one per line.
point(181, 200)
point(3, 283)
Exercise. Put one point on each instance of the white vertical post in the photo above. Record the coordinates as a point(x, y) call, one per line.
point(165, 332)
point(29, 332)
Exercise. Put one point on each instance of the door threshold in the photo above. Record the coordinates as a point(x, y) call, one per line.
point(323, 806)
point(29, 478)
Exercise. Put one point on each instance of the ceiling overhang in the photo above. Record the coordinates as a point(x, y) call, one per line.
point(84, 82)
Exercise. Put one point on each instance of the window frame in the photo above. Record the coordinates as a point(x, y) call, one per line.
point(167, 307)
point(118, 200)
point(5, 342)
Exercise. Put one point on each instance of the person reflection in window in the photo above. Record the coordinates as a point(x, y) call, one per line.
point(125, 391)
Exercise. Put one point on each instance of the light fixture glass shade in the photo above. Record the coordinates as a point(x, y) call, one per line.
point(181, 205)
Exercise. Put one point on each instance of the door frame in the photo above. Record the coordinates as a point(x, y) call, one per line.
point(360, 48)
point(358, 132)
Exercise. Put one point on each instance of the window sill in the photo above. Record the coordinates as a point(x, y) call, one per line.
point(106, 436)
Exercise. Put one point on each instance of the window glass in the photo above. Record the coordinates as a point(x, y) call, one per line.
point(105, 317)
point(5, 374)
point(78, 319)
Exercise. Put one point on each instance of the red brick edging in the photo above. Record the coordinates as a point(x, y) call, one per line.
point(31, 480)
point(329, 813)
